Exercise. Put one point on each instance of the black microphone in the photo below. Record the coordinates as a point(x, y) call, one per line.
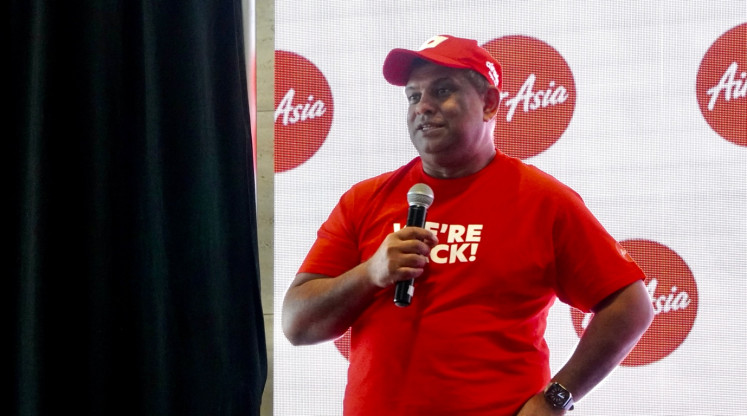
point(420, 197)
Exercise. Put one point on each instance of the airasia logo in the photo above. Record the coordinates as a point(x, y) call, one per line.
point(538, 97)
point(674, 297)
point(303, 110)
point(721, 85)
point(292, 113)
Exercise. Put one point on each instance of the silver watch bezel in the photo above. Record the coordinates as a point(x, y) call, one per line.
point(551, 392)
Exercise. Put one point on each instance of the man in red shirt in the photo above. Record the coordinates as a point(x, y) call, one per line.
point(503, 240)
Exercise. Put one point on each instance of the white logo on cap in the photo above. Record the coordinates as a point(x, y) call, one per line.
point(493, 73)
point(433, 42)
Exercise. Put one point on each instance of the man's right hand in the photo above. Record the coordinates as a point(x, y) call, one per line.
point(402, 255)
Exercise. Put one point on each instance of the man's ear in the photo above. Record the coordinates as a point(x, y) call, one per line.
point(492, 102)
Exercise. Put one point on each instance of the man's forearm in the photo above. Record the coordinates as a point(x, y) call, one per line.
point(321, 308)
point(615, 329)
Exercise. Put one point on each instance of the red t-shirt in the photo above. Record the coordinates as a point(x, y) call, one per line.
point(511, 240)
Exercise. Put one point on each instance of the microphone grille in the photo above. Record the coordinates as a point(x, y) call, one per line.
point(420, 194)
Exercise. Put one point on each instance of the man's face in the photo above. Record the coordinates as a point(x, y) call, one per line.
point(445, 116)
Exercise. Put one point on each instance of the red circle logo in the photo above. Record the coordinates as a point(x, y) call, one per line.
point(538, 98)
point(303, 110)
point(674, 296)
point(721, 85)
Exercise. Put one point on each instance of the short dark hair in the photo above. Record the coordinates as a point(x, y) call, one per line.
point(478, 81)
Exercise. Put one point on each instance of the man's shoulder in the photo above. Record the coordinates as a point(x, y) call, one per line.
point(534, 179)
point(382, 181)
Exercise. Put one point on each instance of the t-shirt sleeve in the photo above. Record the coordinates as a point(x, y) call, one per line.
point(590, 263)
point(335, 250)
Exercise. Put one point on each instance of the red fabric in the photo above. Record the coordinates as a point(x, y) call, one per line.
point(444, 50)
point(511, 239)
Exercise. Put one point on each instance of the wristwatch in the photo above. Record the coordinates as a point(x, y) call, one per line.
point(558, 396)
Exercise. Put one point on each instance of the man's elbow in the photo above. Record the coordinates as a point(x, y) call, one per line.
point(293, 329)
point(639, 307)
point(294, 337)
point(631, 308)
point(299, 330)
point(647, 313)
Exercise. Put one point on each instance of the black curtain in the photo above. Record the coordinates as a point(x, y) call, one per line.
point(134, 283)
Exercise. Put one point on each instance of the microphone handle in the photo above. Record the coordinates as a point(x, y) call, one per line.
point(404, 289)
point(416, 216)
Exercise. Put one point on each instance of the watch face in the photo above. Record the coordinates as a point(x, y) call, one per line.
point(557, 396)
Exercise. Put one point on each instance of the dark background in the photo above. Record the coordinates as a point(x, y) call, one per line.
point(132, 235)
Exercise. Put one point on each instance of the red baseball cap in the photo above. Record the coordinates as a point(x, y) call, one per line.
point(447, 51)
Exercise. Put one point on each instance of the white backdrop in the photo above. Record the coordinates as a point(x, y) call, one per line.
point(637, 147)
